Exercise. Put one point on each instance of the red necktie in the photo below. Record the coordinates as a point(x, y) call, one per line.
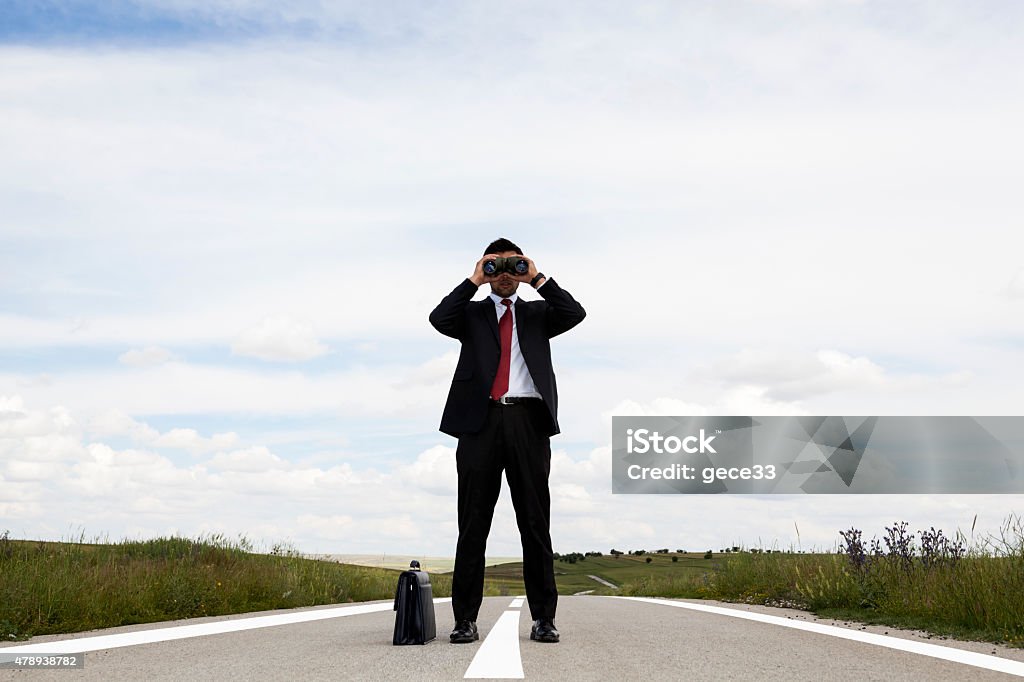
point(500, 386)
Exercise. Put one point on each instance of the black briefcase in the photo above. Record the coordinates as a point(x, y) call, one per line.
point(414, 608)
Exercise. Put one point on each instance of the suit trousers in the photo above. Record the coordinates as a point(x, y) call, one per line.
point(512, 439)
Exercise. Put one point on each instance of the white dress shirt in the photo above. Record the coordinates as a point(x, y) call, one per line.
point(520, 383)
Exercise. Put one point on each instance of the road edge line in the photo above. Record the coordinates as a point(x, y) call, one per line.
point(947, 653)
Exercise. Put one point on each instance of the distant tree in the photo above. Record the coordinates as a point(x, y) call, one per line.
point(649, 559)
point(675, 559)
point(556, 556)
point(615, 552)
point(662, 551)
point(707, 554)
point(681, 551)
point(735, 548)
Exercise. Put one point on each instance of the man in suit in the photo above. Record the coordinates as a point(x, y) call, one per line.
point(503, 408)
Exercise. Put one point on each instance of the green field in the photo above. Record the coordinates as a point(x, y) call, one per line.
point(938, 586)
point(626, 569)
point(59, 587)
point(917, 580)
point(431, 564)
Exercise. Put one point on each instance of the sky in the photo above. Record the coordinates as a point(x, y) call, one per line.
point(223, 225)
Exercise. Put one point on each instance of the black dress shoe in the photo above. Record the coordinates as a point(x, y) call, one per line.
point(465, 631)
point(544, 631)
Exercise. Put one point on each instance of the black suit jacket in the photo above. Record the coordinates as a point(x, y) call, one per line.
point(475, 324)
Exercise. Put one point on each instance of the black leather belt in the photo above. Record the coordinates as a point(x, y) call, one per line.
point(502, 402)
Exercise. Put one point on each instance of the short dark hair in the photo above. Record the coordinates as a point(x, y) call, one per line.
point(502, 244)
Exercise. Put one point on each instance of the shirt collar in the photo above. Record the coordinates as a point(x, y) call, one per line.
point(497, 299)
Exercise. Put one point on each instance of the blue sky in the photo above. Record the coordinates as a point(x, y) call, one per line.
point(129, 23)
point(223, 225)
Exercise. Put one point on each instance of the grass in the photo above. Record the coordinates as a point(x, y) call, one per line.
point(73, 586)
point(976, 593)
point(59, 587)
point(934, 585)
point(573, 578)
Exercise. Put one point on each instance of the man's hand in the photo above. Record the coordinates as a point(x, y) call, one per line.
point(530, 274)
point(478, 277)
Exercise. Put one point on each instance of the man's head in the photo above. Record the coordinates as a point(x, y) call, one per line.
point(503, 285)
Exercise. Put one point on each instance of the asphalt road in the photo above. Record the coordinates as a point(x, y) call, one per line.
point(602, 637)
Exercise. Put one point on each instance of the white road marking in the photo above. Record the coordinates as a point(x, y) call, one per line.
point(164, 634)
point(603, 582)
point(516, 603)
point(498, 656)
point(934, 650)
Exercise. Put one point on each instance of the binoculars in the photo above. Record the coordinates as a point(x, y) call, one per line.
point(514, 265)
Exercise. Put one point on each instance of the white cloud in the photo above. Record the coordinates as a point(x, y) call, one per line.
point(434, 371)
point(797, 189)
point(572, 498)
point(656, 407)
point(232, 487)
point(176, 388)
point(1016, 287)
point(406, 507)
point(18, 421)
point(189, 439)
point(279, 339)
point(37, 380)
point(327, 525)
point(432, 471)
point(114, 422)
point(21, 470)
point(749, 140)
point(255, 459)
point(792, 375)
point(145, 357)
point(123, 475)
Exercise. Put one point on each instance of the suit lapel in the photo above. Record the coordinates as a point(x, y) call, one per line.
point(520, 319)
point(492, 318)
point(524, 326)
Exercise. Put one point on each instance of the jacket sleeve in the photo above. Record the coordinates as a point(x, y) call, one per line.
point(563, 311)
point(449, 317)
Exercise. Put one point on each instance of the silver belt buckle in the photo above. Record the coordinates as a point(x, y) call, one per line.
point(504, 400)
